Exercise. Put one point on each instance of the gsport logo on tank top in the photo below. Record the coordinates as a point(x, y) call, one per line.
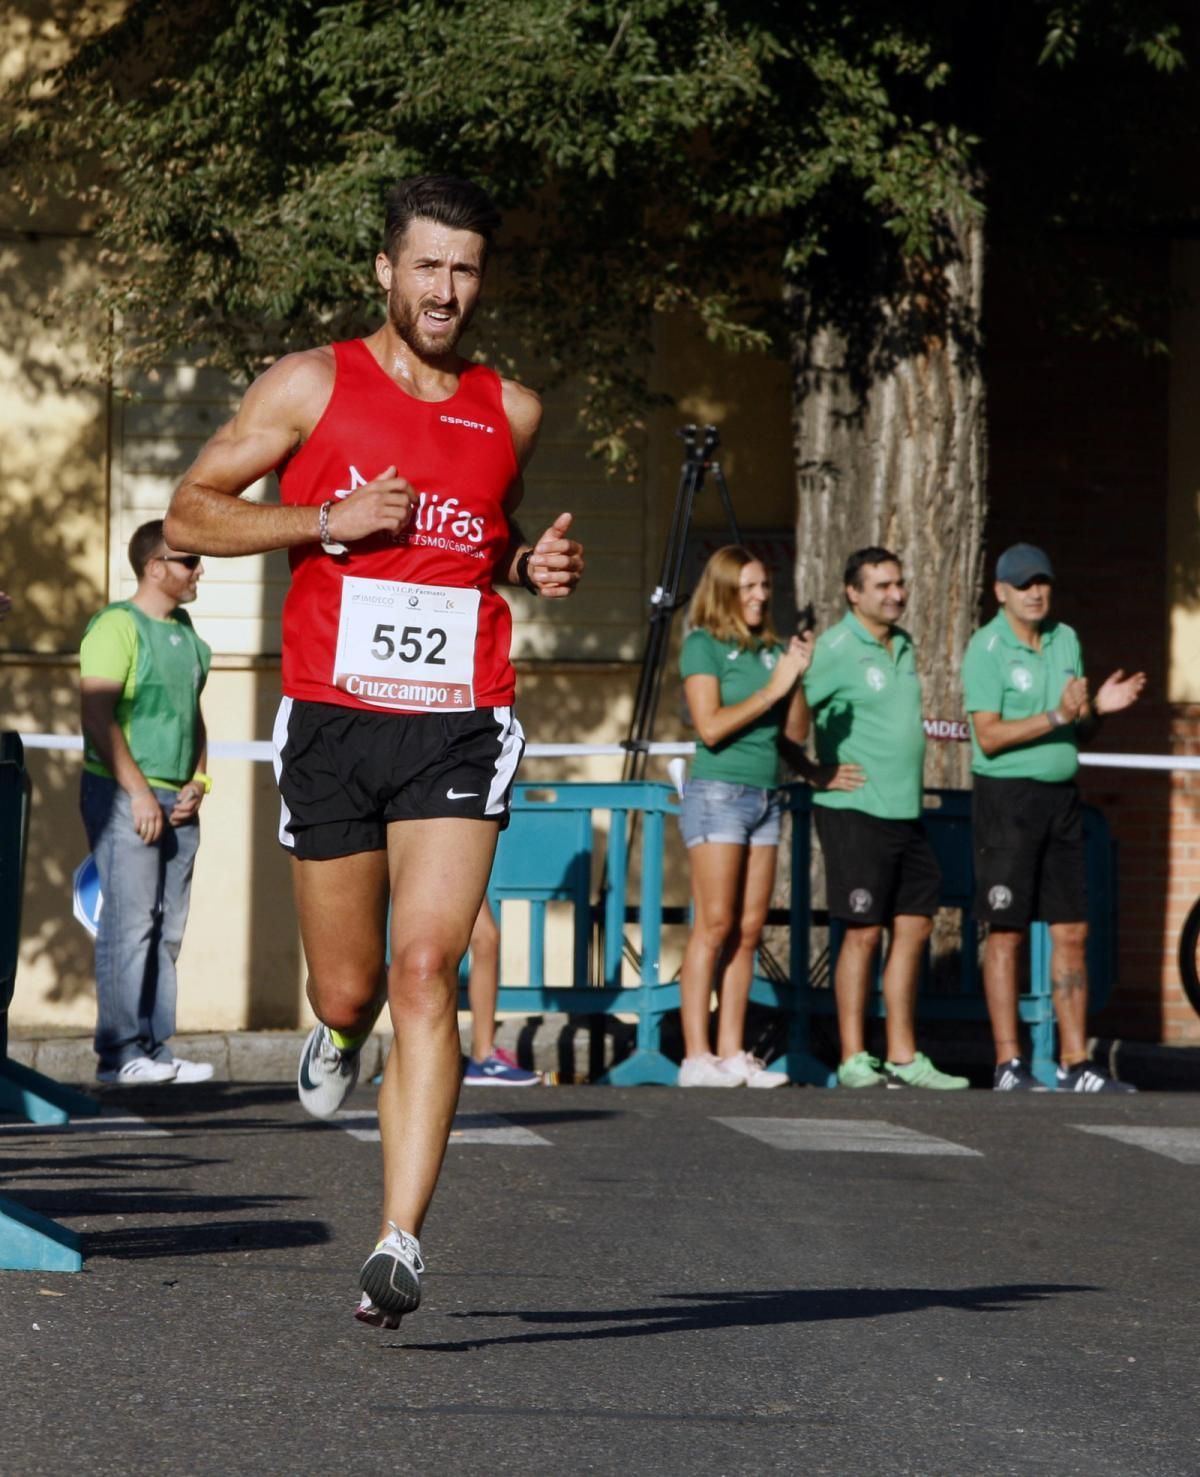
point(412, 623)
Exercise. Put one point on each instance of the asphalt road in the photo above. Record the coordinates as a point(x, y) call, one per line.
point(626, 1282)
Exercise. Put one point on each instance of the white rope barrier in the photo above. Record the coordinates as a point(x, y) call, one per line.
point(261, 750)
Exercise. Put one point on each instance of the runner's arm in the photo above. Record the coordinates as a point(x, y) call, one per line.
point(207, 514)
point(554, 562)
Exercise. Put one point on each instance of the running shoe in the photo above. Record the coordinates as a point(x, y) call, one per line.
point(921, 1072)
point(139, 1071)
point(705, 1071)
point(1086, 1078)
point(860, 1070)
point(752, 1070)
point(1015, 1076)
point(367, 1312)
point(326, 1074)
point(390, 1279)
point(499, 1070)
point(186, 1071)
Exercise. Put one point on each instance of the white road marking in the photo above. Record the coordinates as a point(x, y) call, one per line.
point(108, 1126)
point(844, 1136)
point(1180, 1144)
point(469, 1128)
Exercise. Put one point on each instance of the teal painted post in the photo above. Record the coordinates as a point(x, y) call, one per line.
point(32, 1243)
point(1041, 1030)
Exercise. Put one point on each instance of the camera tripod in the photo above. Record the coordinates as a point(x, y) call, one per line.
point(665, 600)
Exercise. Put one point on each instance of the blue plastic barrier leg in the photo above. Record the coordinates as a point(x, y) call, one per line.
point(1041, 1031)
point(31, 1243)
point(39, 1098)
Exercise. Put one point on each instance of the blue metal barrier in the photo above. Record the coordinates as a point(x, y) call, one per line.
point(546, 856)
point(947, 818)
point(28, 1241)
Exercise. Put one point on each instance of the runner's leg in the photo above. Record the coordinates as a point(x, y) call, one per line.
point(341, 904)
point(439, 870)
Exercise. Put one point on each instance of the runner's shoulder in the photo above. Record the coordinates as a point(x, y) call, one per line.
point(295, 389)
point(522, 406)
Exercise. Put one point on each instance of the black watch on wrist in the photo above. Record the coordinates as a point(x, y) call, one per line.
point(523, 575)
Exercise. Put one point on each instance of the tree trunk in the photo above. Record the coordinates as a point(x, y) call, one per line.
point(890, 447)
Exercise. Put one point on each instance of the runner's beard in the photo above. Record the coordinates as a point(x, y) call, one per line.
point(406, 320)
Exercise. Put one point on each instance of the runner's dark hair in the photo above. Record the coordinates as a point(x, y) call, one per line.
point(442, 198)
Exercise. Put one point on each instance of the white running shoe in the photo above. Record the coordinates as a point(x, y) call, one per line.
point(390, 1279)
point(186, 1071)
point(326, 1073)
point(139, 1071)
point(752, 1070)
point(367, 1312)
point(706, 1071)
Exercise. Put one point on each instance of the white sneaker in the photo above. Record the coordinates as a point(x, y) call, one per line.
point(752, 1070)
point(706, 1071)
point(326, 1073)
point(186, 1071)
point(137, 1072)
point(390, 1279)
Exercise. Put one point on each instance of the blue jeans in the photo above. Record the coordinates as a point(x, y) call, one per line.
point(146, 891)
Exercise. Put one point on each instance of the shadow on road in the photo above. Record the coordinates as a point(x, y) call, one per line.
point(137, 1243)
point(712, 1312)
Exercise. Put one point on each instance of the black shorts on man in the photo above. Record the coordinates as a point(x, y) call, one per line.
point(1030, 860)
point(345, 774)
point(876, 869)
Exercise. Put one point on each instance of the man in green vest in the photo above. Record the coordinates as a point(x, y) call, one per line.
point(143, 668)
point(865, 697)
point(1030, 708)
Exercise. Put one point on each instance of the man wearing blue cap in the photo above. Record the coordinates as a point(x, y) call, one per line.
point(1030, 708)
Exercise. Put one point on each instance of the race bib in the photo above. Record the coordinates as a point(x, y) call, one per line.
point(407, 646)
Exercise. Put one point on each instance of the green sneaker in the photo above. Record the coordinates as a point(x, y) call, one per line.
point(921, 1072)
point(860, 1070)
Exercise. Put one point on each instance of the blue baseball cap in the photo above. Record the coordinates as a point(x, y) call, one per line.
point(1022, 564)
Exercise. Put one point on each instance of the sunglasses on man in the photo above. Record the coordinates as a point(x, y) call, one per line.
point(189, 561)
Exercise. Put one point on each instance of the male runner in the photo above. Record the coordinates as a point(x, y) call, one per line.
point(399, 469)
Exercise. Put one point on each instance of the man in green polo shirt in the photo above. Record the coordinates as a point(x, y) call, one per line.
point(142, 668)
point(1029, 704)
point(865, 698)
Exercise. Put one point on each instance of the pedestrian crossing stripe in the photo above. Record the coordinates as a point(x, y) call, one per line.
point(1180, 1144)
point(468, 1128)
point(844, 1136)
point(104, 1126)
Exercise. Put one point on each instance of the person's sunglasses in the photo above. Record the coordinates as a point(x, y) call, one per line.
point(189, 561)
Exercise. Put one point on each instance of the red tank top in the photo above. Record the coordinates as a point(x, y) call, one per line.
point(350, 644)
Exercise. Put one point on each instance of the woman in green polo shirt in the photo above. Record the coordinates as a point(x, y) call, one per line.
point(743, 691)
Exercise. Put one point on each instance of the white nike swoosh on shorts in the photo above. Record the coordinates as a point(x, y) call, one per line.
point(462, 794)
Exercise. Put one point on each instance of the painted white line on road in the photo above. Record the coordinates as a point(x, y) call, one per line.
point(1180, 1144)
point(469, 1128)
point(107, 1126)
point(843, 1136)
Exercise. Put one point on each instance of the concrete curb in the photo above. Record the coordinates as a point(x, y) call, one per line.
point(576, 1048)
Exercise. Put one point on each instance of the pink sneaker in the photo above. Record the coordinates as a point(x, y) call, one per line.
point(752, 1071)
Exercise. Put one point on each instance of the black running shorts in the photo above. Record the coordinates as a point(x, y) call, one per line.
point(876, 869)
point(1030, 860)
point(344, 774)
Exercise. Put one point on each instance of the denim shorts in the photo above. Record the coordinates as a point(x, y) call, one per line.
point(739, 815)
